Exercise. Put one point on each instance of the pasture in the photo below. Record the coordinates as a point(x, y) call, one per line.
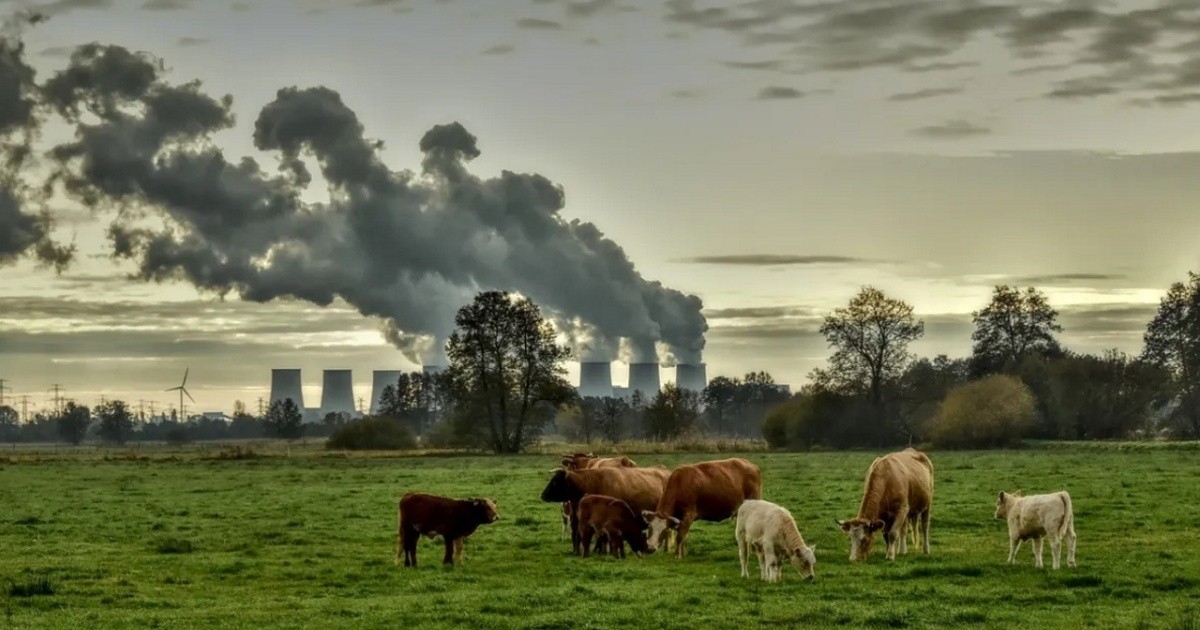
point(307, 540)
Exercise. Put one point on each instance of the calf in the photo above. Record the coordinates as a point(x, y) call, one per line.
point(1035, 517)
point(613, 519)
point(639, 487)
point(452, 519)
point(771, 532)
point(583, 461)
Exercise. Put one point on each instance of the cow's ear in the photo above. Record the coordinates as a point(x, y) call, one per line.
point(647, 515)
point(877, 525)
point(674, 521)
point(845, 525)
point(1001, 497)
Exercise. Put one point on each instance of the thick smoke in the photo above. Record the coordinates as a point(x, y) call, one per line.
point(409, 248)
point(24, 231)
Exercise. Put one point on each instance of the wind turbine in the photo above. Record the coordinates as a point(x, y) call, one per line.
point(182, 391)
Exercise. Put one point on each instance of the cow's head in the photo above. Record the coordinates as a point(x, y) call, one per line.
point(485, 510)
point(560, 489)
point(1004, 503)
point(805, 561)
point(658, 524)
point(577, 461)
point(862, 535)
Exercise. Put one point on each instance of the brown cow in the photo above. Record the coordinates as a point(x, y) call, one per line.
point(708, 491)
point(452, 519)
point(584, 461)
point(639, 487)
point(611, 518)
point(898, 491)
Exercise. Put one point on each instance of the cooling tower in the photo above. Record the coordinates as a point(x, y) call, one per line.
point(595, 379)
point(691, 376)
point(337, 392)
point(286, 384)
point(643, 377)
point(379, 380)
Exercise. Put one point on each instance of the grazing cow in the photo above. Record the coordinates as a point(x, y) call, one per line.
point(771, 532)
point(898, 491)
point(452, 519)
point(708, 491)
point(1035, 517)
point(639, 487)
point(611, 518)
point(582, 461)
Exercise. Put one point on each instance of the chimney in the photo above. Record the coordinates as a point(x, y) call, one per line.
point(691, 376)
point(379, 380)
point(643, 377)
point(595, 379)
point(337, 392)
point(286, 384)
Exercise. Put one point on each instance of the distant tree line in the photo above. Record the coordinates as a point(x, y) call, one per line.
point(1019, 381)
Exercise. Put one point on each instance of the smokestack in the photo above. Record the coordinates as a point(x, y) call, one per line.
point(693, 376)
point(337, 392)
point(595, 379)
point(379, 380)
point(286, 384)
point(643, 377)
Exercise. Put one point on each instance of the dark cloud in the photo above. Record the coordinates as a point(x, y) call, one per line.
point(762, 312)
point(588, 8)
point(769, 64)
point(57, 51)
point(1128, 320)
point(761, 260)
point(498, 49)
point(1063, 278)
point(229, 227)
point(778, 92)
point(166, 5)
point(1081, 88)
point(538, 24)
point(951, 129)
point(191, 41)
point(923, 94)
point(686, 94)
point(939, 66)
point(1184, 98)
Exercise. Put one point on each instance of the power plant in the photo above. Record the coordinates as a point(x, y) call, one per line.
point(337, 392)
point(691, 376)
point(643, 377)
point(595, 379)
point(379, 380)
point(286, 384)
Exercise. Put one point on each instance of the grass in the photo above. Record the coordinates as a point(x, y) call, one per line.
point(185, 539)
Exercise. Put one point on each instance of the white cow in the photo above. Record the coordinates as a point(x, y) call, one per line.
point(771, 532)
point(1035, 517)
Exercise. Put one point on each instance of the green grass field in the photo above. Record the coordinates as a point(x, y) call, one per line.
point(308, 541)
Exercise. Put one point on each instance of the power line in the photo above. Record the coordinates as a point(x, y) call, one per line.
point(58, 391)
point(3, 387)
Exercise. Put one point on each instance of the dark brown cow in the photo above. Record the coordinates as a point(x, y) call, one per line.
point(639, 487)
point(584, 461)
point(708, 491)
point(898, 491)
point(611, 518)
point(452, 519)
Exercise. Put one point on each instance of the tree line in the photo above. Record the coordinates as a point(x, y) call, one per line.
point(1018, 382)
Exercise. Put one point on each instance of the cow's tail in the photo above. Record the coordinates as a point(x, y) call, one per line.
point(1068, 522)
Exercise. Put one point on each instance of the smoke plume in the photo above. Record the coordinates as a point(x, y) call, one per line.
point(408, 247)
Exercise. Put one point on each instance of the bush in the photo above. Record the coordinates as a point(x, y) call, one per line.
point(996, 411)
point(372, 433)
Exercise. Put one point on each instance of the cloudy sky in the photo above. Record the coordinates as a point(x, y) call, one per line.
point(769, 157)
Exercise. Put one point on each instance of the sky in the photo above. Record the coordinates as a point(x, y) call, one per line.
point(769, 157)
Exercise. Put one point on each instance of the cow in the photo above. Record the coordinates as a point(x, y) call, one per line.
point(770, 531)
point(582, 461)
point(1036, 517)
point(898, 492)
point(708, 491)
point(452, 519)
point(611, 518)
point(641, 488)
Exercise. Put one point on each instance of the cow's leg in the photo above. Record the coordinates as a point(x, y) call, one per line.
point(603, 542)
point(742, 550)
point(586, 541)
point(458, 549)
point(896, 538)
point(1037, 552)
point(566, 521)
point(1014, 545)
point(575, 531)
point(681, 538)
point(903, 543)
point(925, 531)
point(618, 546)
point(768, 562)
point(449, 557)
point(1071, 546)
point(1055, 549)
point(408, 540)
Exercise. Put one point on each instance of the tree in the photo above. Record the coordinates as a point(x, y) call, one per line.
point(1014, 324)
point(418, 399)
point(672, 413)
point(10, 427)
point(922, 387)
point(993, 412)
point(116, 421)
point(1172, 341)
point(1105, 397)
point(720, 398)
point(870, 340)
point(73, 422)
point(612, 418)
point(508, 370)
point(284, 420)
